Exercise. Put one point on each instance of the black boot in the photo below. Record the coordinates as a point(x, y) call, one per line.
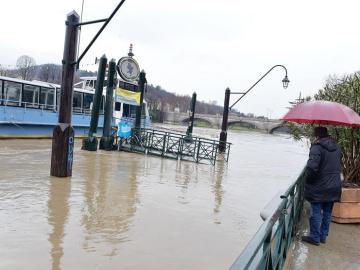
point(309, 240)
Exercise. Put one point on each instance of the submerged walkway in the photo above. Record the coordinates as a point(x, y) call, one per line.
point(341, 251)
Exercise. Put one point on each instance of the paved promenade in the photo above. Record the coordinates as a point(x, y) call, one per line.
point(341, 251)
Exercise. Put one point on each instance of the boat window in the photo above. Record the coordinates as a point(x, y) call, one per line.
point(58, 99)
point(47, 98)
point(31, 96)
point(128, 86)
point(12, 93)
point(77, 102)
point(88, 101)
point(1, 94)
point(117, 106)
point(129, 110)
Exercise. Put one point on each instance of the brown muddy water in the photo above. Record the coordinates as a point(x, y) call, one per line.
point(130, 211)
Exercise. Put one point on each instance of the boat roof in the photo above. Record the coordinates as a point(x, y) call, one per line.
point(43, 84)
point(34, 82)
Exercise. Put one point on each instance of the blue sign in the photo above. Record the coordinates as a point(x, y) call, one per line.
point(124, 129)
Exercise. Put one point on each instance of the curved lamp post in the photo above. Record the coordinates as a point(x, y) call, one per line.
point(223, 133)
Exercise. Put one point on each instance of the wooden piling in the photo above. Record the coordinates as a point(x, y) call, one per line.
point(63, 133)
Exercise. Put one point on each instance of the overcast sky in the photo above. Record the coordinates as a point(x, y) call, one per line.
point(201, 45)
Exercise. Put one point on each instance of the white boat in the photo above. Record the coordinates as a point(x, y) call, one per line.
point(29, 109)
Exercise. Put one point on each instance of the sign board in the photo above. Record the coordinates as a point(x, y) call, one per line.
point(128, 69)
point(127, 97)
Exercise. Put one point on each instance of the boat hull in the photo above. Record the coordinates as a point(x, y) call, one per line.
point(20, 122)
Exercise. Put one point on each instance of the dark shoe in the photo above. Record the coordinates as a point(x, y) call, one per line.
point(323, 241)
point(309, 240)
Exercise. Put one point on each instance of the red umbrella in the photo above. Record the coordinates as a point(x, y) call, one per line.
point(324, 113)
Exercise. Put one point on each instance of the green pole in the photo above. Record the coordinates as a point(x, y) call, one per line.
point(192, 115)
point(224, 126)
point(91, 143)
point(141, 87)
point(107, 141)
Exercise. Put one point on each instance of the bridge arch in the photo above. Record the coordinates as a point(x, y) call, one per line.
point(283, 127)
point(186, 121)
point(244, 124)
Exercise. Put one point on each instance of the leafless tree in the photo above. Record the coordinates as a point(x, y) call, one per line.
point(50, 73)
point(3, 71)
point(25, 65)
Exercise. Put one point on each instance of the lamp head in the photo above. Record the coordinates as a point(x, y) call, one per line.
point(285, 82)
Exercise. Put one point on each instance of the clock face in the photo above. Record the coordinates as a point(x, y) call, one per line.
point(128, 69)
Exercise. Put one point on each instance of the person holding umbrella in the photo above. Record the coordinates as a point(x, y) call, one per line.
point(322, 184)
point(323, 169)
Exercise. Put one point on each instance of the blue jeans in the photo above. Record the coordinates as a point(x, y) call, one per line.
point(320, 220)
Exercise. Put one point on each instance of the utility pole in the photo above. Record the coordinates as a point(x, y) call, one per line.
point(107, 141)
point(223, 133)
point(63, 133)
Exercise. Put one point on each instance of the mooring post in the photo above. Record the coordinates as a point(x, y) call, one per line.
point(107, 140)
point(63, 133)
point(91, 143)
point(141, 88)
point(223, 133)
point(192, 115)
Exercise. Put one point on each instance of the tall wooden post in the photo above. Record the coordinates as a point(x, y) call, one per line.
point(107, 141)
point(91, 143)
point(63, 134)
point(141, 88)
point(223, 133)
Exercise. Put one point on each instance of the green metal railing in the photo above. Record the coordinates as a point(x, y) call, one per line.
point(174, 145)
point(269, 247)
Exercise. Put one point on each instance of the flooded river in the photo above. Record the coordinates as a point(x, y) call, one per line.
point(130, 211)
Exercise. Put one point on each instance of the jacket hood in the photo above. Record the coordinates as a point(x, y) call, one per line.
point(328, 143)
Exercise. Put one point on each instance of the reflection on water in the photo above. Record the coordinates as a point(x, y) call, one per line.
point(58, 213)
point(129, 211)
point(217, 186)
point(109, 205)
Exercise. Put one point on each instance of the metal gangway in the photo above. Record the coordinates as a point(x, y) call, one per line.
point(174, 145)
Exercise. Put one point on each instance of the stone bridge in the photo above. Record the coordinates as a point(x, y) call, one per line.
point(268, 125)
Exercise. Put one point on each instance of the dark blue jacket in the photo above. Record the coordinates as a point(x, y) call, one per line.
point(323, 183)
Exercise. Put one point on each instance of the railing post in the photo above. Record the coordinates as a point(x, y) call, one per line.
point(198, 151)
point(63, 133)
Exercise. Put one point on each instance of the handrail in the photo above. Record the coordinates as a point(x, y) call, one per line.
point(268, 248)
point(173, 145)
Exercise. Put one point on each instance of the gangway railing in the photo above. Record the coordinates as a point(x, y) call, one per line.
point(269, 247)
point(174, 145)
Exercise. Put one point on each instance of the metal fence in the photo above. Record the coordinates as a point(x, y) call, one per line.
point(269, 247)
point(174, 145)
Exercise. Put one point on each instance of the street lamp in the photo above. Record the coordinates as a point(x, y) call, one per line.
point(223, 133)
